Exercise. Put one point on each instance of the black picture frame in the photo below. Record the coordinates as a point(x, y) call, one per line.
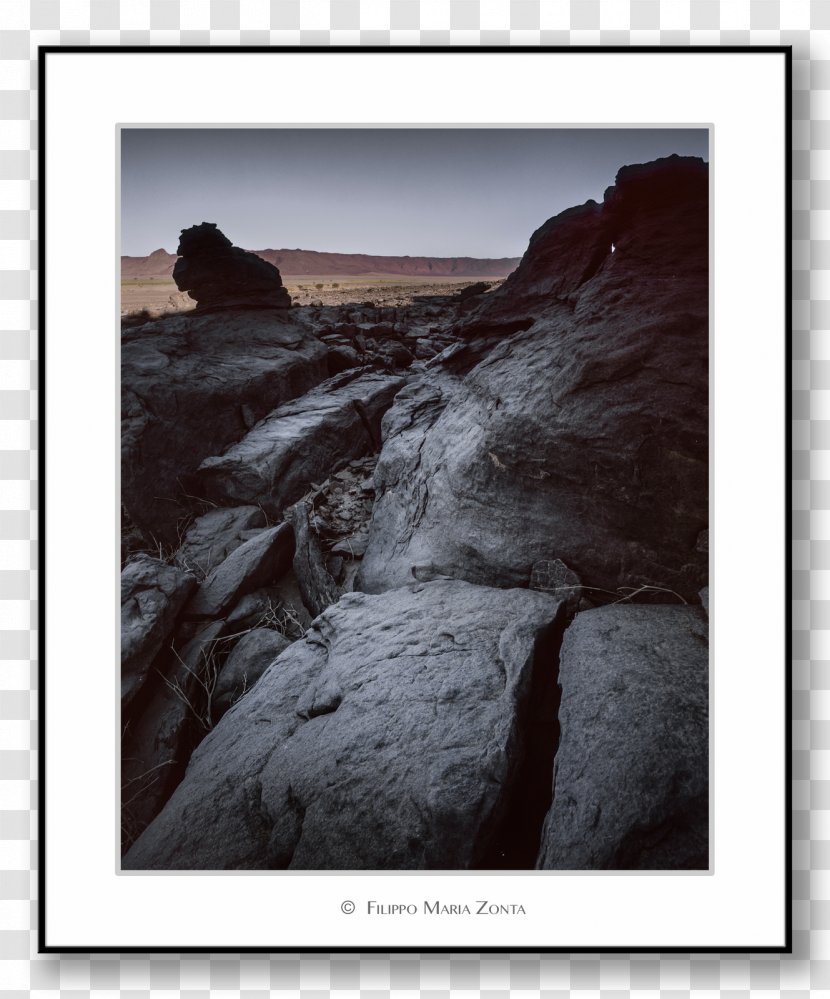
point(47, 642)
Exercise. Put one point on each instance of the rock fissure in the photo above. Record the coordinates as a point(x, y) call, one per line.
point(516, 840)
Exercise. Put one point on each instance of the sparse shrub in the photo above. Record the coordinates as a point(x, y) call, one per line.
point(335, 285)
point(318, 286)
point(133, 319)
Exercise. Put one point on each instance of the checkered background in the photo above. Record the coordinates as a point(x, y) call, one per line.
point(24, 24)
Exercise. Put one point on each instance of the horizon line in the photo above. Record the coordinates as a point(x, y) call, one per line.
point(347, 253)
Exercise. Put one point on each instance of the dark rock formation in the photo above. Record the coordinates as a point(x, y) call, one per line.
point(301, 442)
point(631, 772)
point(213, 536)
point(584, 436)
point(252, 655)
point(218, 275)
point(656, 216)
point(152, 594)
point(260, 560)
point(189, 387)
point(389, 738)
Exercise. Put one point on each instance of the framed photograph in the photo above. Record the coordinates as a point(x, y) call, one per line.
point(448, 499)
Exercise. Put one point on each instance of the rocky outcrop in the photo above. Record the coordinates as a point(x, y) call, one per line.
point(152, 594)
point(584, 435)
point(192, 385)
point(631, 772)
point(656, 214)
point(388, 738)
point(219, 275)
point(301, 442)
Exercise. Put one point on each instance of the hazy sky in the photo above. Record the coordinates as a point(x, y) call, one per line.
point(423, 192)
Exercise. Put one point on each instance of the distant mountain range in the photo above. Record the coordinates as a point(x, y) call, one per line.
point(301, 263)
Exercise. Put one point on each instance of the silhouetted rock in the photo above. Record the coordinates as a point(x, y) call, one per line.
point(582, 437)
point(631, 772)
point(388, 738)
point(218, 275)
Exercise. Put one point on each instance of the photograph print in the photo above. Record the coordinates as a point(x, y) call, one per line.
point(414, 499)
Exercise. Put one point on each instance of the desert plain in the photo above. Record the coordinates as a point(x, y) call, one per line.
point(159, 296)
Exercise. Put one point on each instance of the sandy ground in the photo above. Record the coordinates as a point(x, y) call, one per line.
point(154, 296)
point(159, 297)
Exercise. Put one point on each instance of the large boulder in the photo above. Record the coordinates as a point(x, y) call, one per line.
point(152, 594)
point(389, 738)
point(574, 423)
point(218, 275)
point(301, 442)
point(191, 385)
point(631, 775)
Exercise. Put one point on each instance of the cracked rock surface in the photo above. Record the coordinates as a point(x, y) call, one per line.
point(631, 772)
point(386, 739)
